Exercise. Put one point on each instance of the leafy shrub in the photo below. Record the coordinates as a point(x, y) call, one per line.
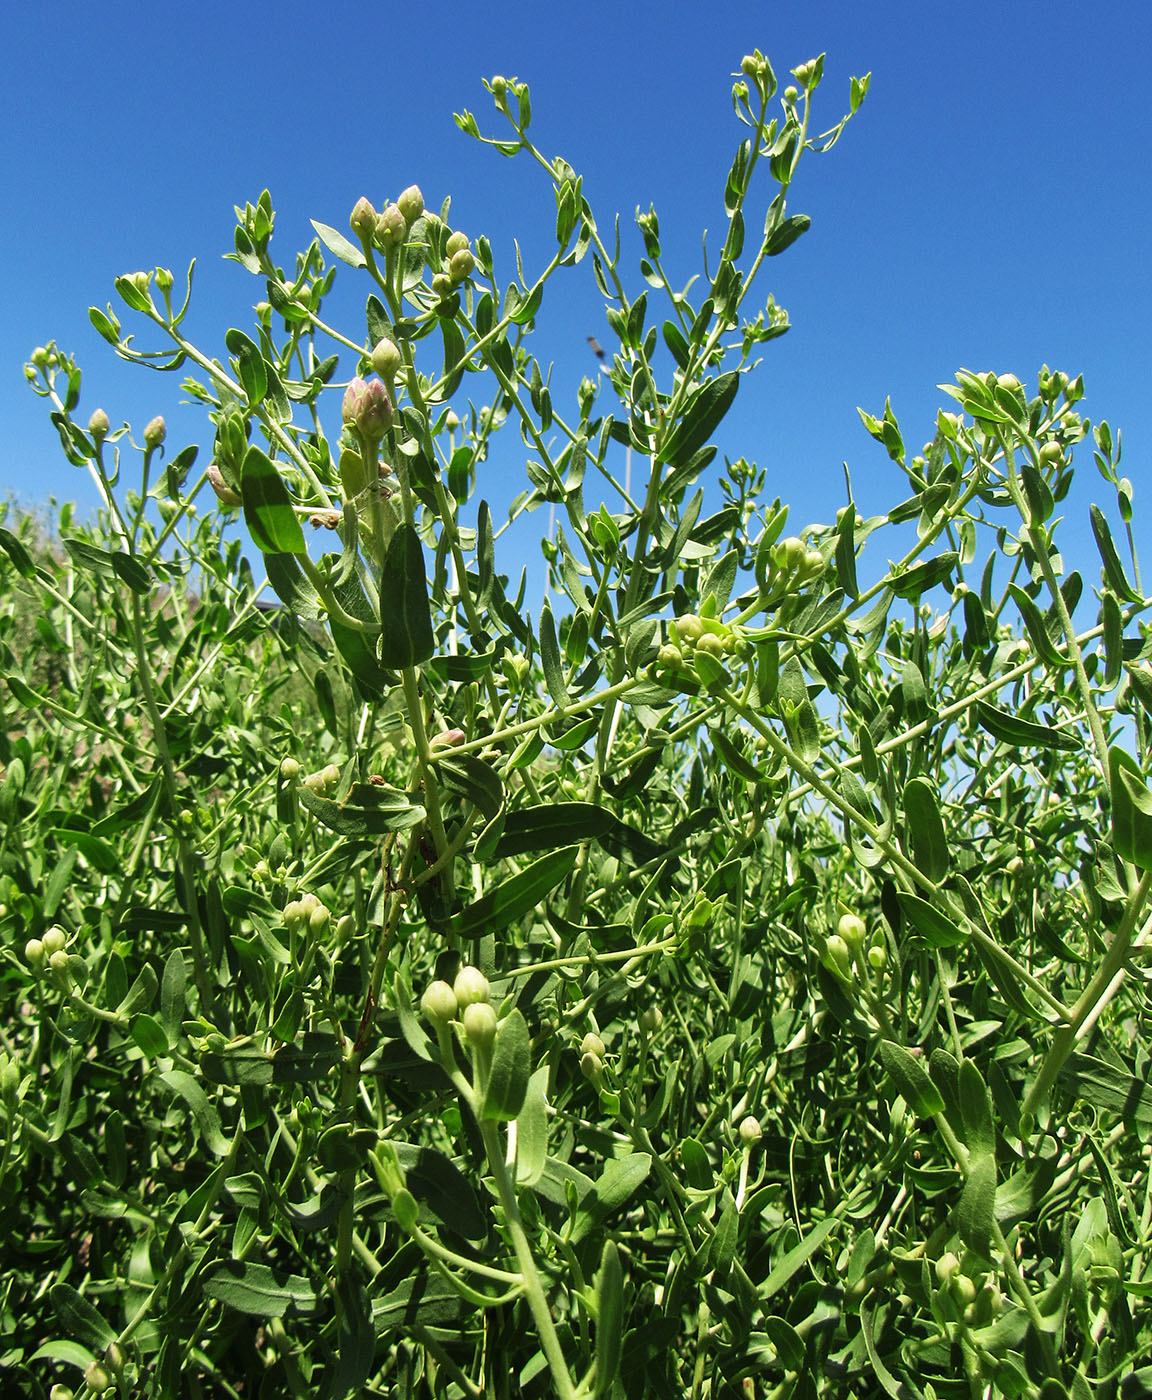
point(726, 981)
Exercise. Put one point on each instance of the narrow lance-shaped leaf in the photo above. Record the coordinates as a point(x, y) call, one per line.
point(510, 1069)
point(517, 895)
point(249, 365)
point(550, 658)
point(406, 636)
point(1022, 733)
point(1113, 569)
point(926, 829)
point(704, 411)
point(911, 1080)
point(1131, 810)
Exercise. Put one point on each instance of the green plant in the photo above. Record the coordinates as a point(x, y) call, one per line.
point(722, 983)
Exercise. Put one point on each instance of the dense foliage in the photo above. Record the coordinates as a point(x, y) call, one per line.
point(722, 977)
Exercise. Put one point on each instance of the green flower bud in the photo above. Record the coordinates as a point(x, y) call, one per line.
point(852, 930)
point(330, 774)
point(390, 227)
point(363, 219)
point(318, 921)
point(651, 1019)
point(439, 1003)
point(480, 1025)
point(689, 628)
point(837, 957)
point(404, 1209)
point(471, 987)
point(155, 432)
point(389, 1172)
point(457, 242)
point(9, 1079)
point(367, 408)
point(58, 963)
point(878, 957)
point(1051, 455)
point(98, 425)
point(963, 1290)
point(114, 1358)
point(386, 358)
point(813, 565)
point(750, 1131)
point(791, 93)
point(61, 1392)
point(411, 204)
point(461, 266)
point(345, 928)
point(1008, 382)
point(947, 1267)
point(96, 1378)
point(289, 769)
point(499, 87)
point(750, 65)
point(446, 739)
point(592, 1045)
point(54, 939)
point(591, 1067)
point(224, 493)
point(788, 555)
point(34, 953)
point(711, 643)
point(670, 658)
point(442, 285)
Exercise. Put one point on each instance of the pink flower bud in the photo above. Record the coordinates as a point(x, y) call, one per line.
point(367, 408)
point(390, 227)
point(411, 203)
point(226, 494)
point(363, 218)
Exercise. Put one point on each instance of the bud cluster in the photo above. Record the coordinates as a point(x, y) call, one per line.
point(325, 782)
point(388, 227)
point(307, 914)
point(844, 951)
point(696, 635)
point(974, 1300)
point(792, 565)
point(367, 407)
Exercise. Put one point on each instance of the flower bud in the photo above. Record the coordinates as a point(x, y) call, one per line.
point(457, 242)
point(480, 1025)
point(345, 928)
point(390, 227)
point(446, 739)
point(591, 1067)
point(98, 425)
point(592, 1045)
point(471, 987)
point(1051, 454)
point(442, 285)
point(155, 432)
point(462, 265)
point(404, 1209)
point(1008, 382)
point(439, 1003)
point(318, 921)
point(96, 1378)
point(651, 1019)
point(34, 953)
point(386, 358)
point(58, 963)
point(60, 1392)
point(878, 957)
point(791, 93)
point(411, 204)
point(224, 493)
point(689, 628)
point(363, 219)
point(54, 939)
point(750, 65)
point(750, 1131)
point(947, 1266)
point(852, 930)
point(330, 776)
point(289, 769)
point(837, 958)
point(367, 408)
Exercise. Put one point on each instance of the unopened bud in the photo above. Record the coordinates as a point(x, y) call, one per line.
point(363, 218)
point(651, 1019)
point(457, 242)
point(462, 265)
point(289, 769)
point(155, 432)
point(591, 1067)
point(98, 425)
point(54, 939)
point(318, 921)
point(791, 93)
point(367, 408)
point(34, 953)
point(390, 227)
point(852, 930)
point(386, 358)
point(411, 204)
point(471, 987)
point(837, 958)
point(480, 1025)
point(224, 493)
point(750, 1131)
point(592, 1045)
point(439, 1003)
point(447, 739)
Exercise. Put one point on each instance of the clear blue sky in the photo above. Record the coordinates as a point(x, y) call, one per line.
point(989, 207)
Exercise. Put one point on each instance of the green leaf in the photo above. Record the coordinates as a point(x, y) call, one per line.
point(788, 1342)
point(149, 1035)
point(260, 1291)
point(406, 636)
point(440, 1185)
point(1022, 733)
point(1037, 630)
point(1131, 810)
point(205, 1116)
point(335, 242)
point(132, 571)
point(796, 1258)
point(550, 659)
point(786, 233)
point(368, 810)
point(249, 365)
point(80, 1319)
point(620, 1179)
point(702, 413)
point(921, 577)
point(532, 1130)
point(268, 511)
point(609, 1289)
point(911, 1080)
point(516, 896)
point(1113, 569)
point(975, 1213)
point(976, 1109)
point(926, 829)
point(934, 926)
point(510, 1069)
point(21, 559)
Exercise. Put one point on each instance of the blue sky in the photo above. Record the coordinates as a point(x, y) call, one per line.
point(988, 207)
